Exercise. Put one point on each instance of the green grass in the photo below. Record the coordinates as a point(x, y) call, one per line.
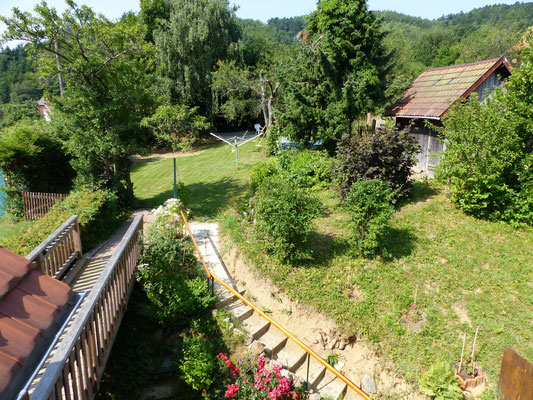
point(8, 227)
point(210, 178)
point(465, 273)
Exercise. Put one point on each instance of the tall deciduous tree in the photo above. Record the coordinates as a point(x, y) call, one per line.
point(245, 92)
point(189, 44)
point(105, 66)
point(338, 75)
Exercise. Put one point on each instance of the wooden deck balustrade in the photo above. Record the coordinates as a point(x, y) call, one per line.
point(75, 370)
point(57, 253)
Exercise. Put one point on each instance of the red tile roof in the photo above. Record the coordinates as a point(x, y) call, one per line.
point(435, 90)
point(30, 302)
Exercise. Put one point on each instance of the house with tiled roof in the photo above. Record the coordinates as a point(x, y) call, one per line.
point(431, 95)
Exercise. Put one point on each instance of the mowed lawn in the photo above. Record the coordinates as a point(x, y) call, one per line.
point(210, 178)
point(463, 272)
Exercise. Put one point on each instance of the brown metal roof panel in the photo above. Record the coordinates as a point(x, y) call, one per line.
point(7, 282)
point(46, 288)
point(29, 309)
point(17, 340)
point(9, 368)
point(13, 264)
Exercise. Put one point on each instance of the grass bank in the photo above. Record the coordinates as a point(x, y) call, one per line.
point(9, 228)
point(210, 178)
point(448, 274)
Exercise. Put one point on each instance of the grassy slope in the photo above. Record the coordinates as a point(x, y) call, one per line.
point(465, 273)
point(9, 228)
point(454, 263)
point(210, 178)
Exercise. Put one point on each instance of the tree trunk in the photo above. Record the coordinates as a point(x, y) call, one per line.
point(60, 77)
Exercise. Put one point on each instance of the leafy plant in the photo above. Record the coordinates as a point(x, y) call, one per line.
point(262, 171)
point(98, 216)
point(488, 163)
point(254, 381)
point(169, 272)
point(369, 204)
point(439, 382)
point(198, 362)
point(177, 125)
point(387, 155)
point(283, 214)
point(33, 159)
point(332, 359)
point(307, 168)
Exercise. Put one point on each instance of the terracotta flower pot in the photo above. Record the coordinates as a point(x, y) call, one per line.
point(467, 381)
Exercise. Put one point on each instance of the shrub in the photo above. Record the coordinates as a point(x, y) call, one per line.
point(98, 216)
point(387, 155)
point(487, 164)
point(369, 204)
point(169, 272)
point(439, 383)
point(33, 159)
point(283, 217)
point(254, 381)
point(198, 364)
point(263, 171)
point(307, 168)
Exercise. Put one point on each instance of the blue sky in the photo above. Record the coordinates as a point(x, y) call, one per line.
point(265, 9)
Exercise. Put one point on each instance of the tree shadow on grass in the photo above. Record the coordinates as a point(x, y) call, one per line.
point(207, 198)
point(325, 247)
point(398, 243)
point(421, 191)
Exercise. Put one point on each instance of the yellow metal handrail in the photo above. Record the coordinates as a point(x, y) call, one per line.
point(210, 275)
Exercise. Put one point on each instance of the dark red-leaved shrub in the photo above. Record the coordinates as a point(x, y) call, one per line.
point(387, 155)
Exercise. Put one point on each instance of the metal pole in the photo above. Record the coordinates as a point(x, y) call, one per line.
point(308, 360)
point(175, 190)
point(236, 153)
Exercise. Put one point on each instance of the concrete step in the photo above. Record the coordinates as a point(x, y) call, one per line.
point(273, 340)
point(225, 297)
point(255, 325)
point(239, 310)
point(316, 372)
point(330, 386)
point(352, 395)
point(291, 356)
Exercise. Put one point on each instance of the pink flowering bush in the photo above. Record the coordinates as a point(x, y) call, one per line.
point(255, 381)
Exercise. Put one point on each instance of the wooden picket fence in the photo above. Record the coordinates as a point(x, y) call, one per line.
point(37, 205)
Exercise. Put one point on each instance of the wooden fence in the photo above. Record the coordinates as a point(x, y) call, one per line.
point(57, 253)
point(77, 366)
point(37, 205)
point(516, 376)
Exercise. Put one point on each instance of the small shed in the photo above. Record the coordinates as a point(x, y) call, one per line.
point(431, 95)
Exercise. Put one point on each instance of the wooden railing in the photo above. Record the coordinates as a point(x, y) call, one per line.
point(75, 370)
point(57, 253)
point(37, 205)
point(303, 346)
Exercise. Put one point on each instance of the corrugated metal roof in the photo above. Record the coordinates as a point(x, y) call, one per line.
point(30, 302)
point(435, 90)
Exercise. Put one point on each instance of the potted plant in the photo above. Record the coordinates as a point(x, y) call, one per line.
point(469, 375)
